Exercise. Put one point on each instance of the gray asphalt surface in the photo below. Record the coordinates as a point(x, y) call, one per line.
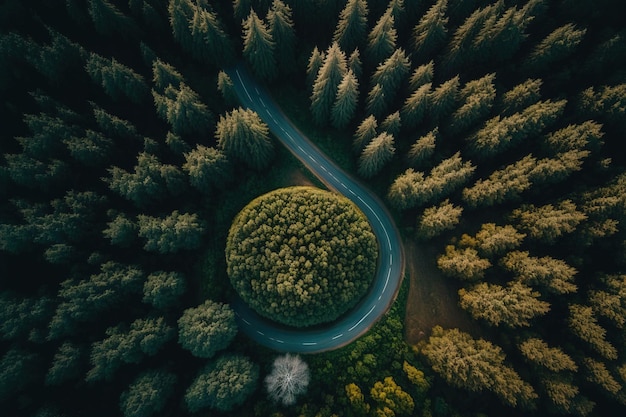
point(390, 266)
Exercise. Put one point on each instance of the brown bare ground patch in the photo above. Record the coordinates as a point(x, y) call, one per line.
point(432, 298)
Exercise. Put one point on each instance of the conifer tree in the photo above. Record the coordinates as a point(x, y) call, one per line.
point(118, 80)
point(227, 88)
point(346, 102)
point(376, 102)
point(521, 96)
point(463, 263)
point(548, 222)
point(259, 47)
point(437, 219)
point(181, 13)
point(392, 124)
point(422, 75)
point(376, 155)
point(326, 83)
point(558, 45)
point(352, 25)
point(391, 74)
point(599, 374)
point(67, 364)
point(610, 301)
point(243, 135)
point(381, 41)
point(423, 148)
point(209, 42)
point(148, 394)
point(443, 99)
point(584, 324)
point(121, 231)
point(109, 20)
point(182, 108)
point(316, 60)
point(431, 31)
point(587, 135)
point(113, 126)
point(514, 305)
point(91, 149)
point(207, 329)
point(280, 22)
point(164, 75)
point(56, 59)
point(355, 64)
point(173, 233)
point(478, 97)
point(207, 168)
point(163, 289)
point(540, 353)
point(476, 365)
point(492, 240)
point(365, 132)
point(416, 106)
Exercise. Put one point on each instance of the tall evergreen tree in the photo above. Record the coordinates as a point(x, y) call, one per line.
point(376, 155)
point(259, 47)
point(281, 28)
point(346, 102)
point(431, 31)
point(109, 20)
point(207, 168)
point(381, 41)
point(391, 74)
point(423, 148)
point(182, 108)
point(558, 45)
point(118, 80)
point(316, 60)
point(326, 83)
point(173, 233)
point(478, 97)
point(422, 75)
point(365, 132)
point(521, 96)
point(243, 135)
point(209, 42)
point(416, 105)
point(352, 25)
point(437, 219)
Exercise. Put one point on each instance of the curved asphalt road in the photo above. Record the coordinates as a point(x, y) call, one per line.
point(390, 268)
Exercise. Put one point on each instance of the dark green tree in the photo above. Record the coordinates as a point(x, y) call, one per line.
point(172, 233)
point(346, 101)
point(118, 80)
point(376, 155)
point(431, 31)
point(227, 88)
point(416, 106)
point(121, 230)
point(244, 136)
point(183, 109)
point(444, 99)
point(422, 75)
point(209, 42)
point(376, 103)
point(365, 132)
point(352, 26)
point(83, 301)
point(148, 394)
point(316, 60)
point(114, 127)
point(555, 47)
point(423, 148)
point(164, 75)
point(207, 168)
point(392, 124)
point(109, 20)
point(23, 319)
point(259, 47)
point(478, 97)
point(381, 41)
point(223, 384)
point(127, 345)
point(150, 181)
point(91, 149)
point(281, 27)
point(391, 74)
point(67, 364)
point(207, 329)
point(18, 369)
point(163, 289)
point(328, 78)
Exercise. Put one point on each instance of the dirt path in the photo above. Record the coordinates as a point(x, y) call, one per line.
point(432, 297)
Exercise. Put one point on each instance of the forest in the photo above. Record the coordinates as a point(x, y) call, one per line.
point(489, 128)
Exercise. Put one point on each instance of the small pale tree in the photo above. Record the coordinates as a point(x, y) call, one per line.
point(288, 379)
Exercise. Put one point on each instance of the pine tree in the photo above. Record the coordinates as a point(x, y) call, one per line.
point(376, 155)
point(478, 97)
point(227, 88)
point(173, 233)
point(437, 219)
point(555, 275)
point(514, 305)
point(610, 301)
point(463, 263)
point(431, 31)
point(316, 60)
point(548, 222)
point(207, 168)
point(492, 240)
point(443, 99)
point(182, 108)
point(558, 45)
point(381, 41)
point(163, 289)
point(259, 47)
point(521, 96)
point(422, 75)
point(223, 384)
point(118, 80)
point(209, 42)
point(476, 365)
point(376, 103)
point(326, 83)
point(279, 18)
point(109, 20)
point(423, 148)
point(416, 106)
point(346, 102)
point(181, 13)
point(540, 353)
point(365, 132)
point(352, 25)
point(587, 135)
point(391, 74)
point(243, 135)
point(355, 64)
point(392, 124)
point(67, 364)
point(584, 324)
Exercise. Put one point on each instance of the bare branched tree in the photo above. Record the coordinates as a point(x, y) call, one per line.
point(288, 379)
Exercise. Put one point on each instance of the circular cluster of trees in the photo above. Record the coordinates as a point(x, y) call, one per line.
point(300, 255)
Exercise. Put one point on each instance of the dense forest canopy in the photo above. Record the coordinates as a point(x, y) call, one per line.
point(491, 129)
point(301, 256)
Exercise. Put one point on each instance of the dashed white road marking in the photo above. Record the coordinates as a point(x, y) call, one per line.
point(245, 321)
point(362, 318)
point(309, 343)
point(243, 85)
point(260, 332)
point(337, 337)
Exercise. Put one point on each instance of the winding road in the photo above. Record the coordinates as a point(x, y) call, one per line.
point(390, 266)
